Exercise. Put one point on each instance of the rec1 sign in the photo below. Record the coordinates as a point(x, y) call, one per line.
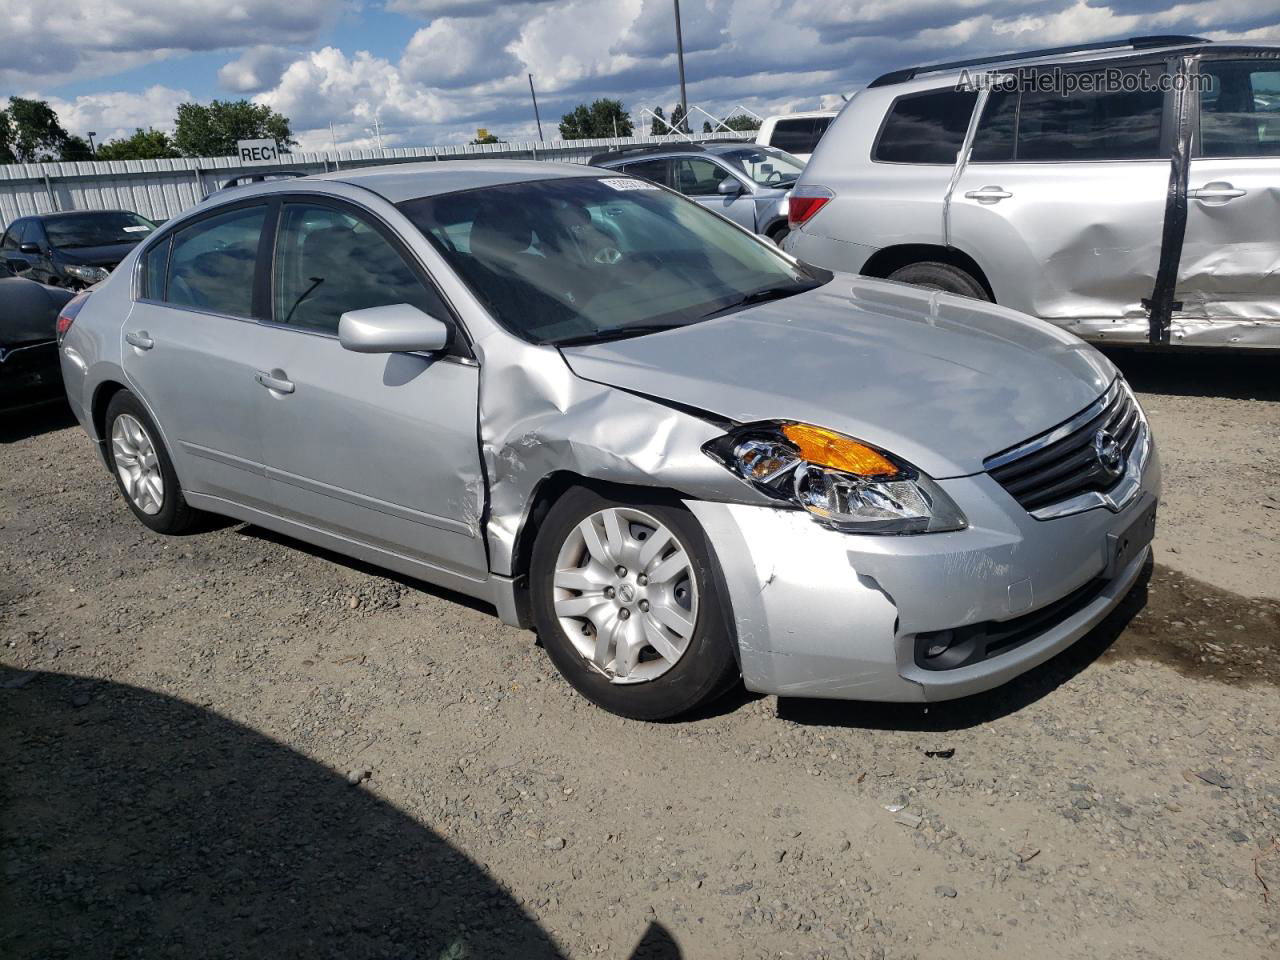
point(257, 151)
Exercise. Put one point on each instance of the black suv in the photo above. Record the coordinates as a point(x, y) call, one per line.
point(72, 249)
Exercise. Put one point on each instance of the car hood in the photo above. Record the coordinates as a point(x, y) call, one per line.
point(937, 379)
point(108, 256)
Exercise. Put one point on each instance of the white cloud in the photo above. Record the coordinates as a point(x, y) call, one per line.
point(86, 38)
point(112, 115)
point(256, 69)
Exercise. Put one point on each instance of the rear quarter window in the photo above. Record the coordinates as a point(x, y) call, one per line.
point(926, 128)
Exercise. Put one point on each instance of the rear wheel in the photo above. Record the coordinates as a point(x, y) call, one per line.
point(628, 605)
point(940, 276)
point(779, 233)
point(142, 467)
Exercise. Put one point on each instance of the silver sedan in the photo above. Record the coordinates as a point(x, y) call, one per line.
point(680, 455)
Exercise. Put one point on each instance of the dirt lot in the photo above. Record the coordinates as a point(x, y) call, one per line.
point(181, 721)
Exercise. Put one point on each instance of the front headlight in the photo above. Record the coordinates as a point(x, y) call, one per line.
point(841, 482)
point(86, 273)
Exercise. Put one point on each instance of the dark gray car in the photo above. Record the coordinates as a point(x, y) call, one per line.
point(74, 250)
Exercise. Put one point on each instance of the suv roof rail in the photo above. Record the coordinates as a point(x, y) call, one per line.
point(1135, 43)
point(642, 150)
point(261, 177)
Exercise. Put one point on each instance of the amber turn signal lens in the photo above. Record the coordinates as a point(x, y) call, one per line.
point(826, 448)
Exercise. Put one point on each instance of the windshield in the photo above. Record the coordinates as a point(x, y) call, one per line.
point(767, 166)
point(96, 229)
point(574, 260)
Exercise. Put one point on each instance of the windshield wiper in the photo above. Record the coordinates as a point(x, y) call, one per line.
point(616, 333)
point(761, 296)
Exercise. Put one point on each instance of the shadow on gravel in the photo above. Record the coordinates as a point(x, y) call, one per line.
point(1239, 376)
point(373, 570)
point(23, 423)
point(984, 707)
point(136, 825)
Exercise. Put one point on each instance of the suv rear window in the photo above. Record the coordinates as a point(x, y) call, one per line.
point(1240, 109)
point(925, 128)
point(799, 135)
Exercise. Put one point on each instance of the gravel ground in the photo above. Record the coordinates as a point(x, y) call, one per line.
point(231, 745)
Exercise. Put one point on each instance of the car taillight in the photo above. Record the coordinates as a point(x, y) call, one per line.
point(67, 315)
point(805, 201)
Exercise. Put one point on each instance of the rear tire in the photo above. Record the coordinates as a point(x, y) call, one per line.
point(668, 645)
point(941, 276)
point(779, 233)
point(142, 467)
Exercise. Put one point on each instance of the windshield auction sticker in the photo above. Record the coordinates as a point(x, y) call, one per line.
point(626, 183)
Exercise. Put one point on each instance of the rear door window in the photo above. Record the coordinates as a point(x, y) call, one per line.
point(1240, 108)
point(154, 262)
point(211, 266)
point(1092, 124)
point(925, 127)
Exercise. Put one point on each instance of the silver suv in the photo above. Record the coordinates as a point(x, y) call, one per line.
point(745, 182)
point(1126, 191)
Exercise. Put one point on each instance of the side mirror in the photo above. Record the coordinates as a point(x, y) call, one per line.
point(396, 328)
point(29, 247)
point(729, 187)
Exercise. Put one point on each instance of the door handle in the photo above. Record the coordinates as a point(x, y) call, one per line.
point(139, 339)
point(988, 194)
point(280, 384)
point(1217, 192)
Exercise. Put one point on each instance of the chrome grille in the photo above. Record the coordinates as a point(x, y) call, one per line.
point(1065, 462)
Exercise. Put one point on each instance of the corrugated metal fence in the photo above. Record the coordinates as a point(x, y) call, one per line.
point(159, 189)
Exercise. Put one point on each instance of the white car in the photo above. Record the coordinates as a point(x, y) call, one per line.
point(796, 133)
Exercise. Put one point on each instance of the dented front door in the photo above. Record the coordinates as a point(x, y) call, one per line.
point(1229, 274)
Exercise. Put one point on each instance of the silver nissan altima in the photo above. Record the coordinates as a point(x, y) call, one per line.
point(680, 455)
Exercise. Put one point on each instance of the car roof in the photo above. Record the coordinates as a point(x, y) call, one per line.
point(803, 115)
point(616, 158)
point(409, 181)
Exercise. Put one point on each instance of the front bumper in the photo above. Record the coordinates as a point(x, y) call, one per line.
point(824, 614)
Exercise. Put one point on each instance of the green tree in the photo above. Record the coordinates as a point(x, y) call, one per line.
point(678, 121)
point(741, 121)
point(212, 131)
point(149, 144)
point(604, 118)
point(484, 136)
point(75, 148)
point(6, 139)
point(659, 126)
point(34, 132)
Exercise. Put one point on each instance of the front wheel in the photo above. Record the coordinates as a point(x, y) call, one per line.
point(628, 604)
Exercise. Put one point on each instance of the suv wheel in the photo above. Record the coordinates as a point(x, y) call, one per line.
point(628, 605)
point(940, 276)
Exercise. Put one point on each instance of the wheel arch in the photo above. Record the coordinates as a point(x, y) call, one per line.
point(545, 495)
point(888, 259)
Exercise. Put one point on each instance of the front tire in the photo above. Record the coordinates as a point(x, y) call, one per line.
point(627, 600)
point(142, 467)
point(941, 276)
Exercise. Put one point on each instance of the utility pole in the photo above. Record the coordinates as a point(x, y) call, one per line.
point(535, 108)
point(684, 104)
point(377, 128)
point(93, 151)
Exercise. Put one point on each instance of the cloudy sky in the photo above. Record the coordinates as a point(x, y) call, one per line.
point(435, 70)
